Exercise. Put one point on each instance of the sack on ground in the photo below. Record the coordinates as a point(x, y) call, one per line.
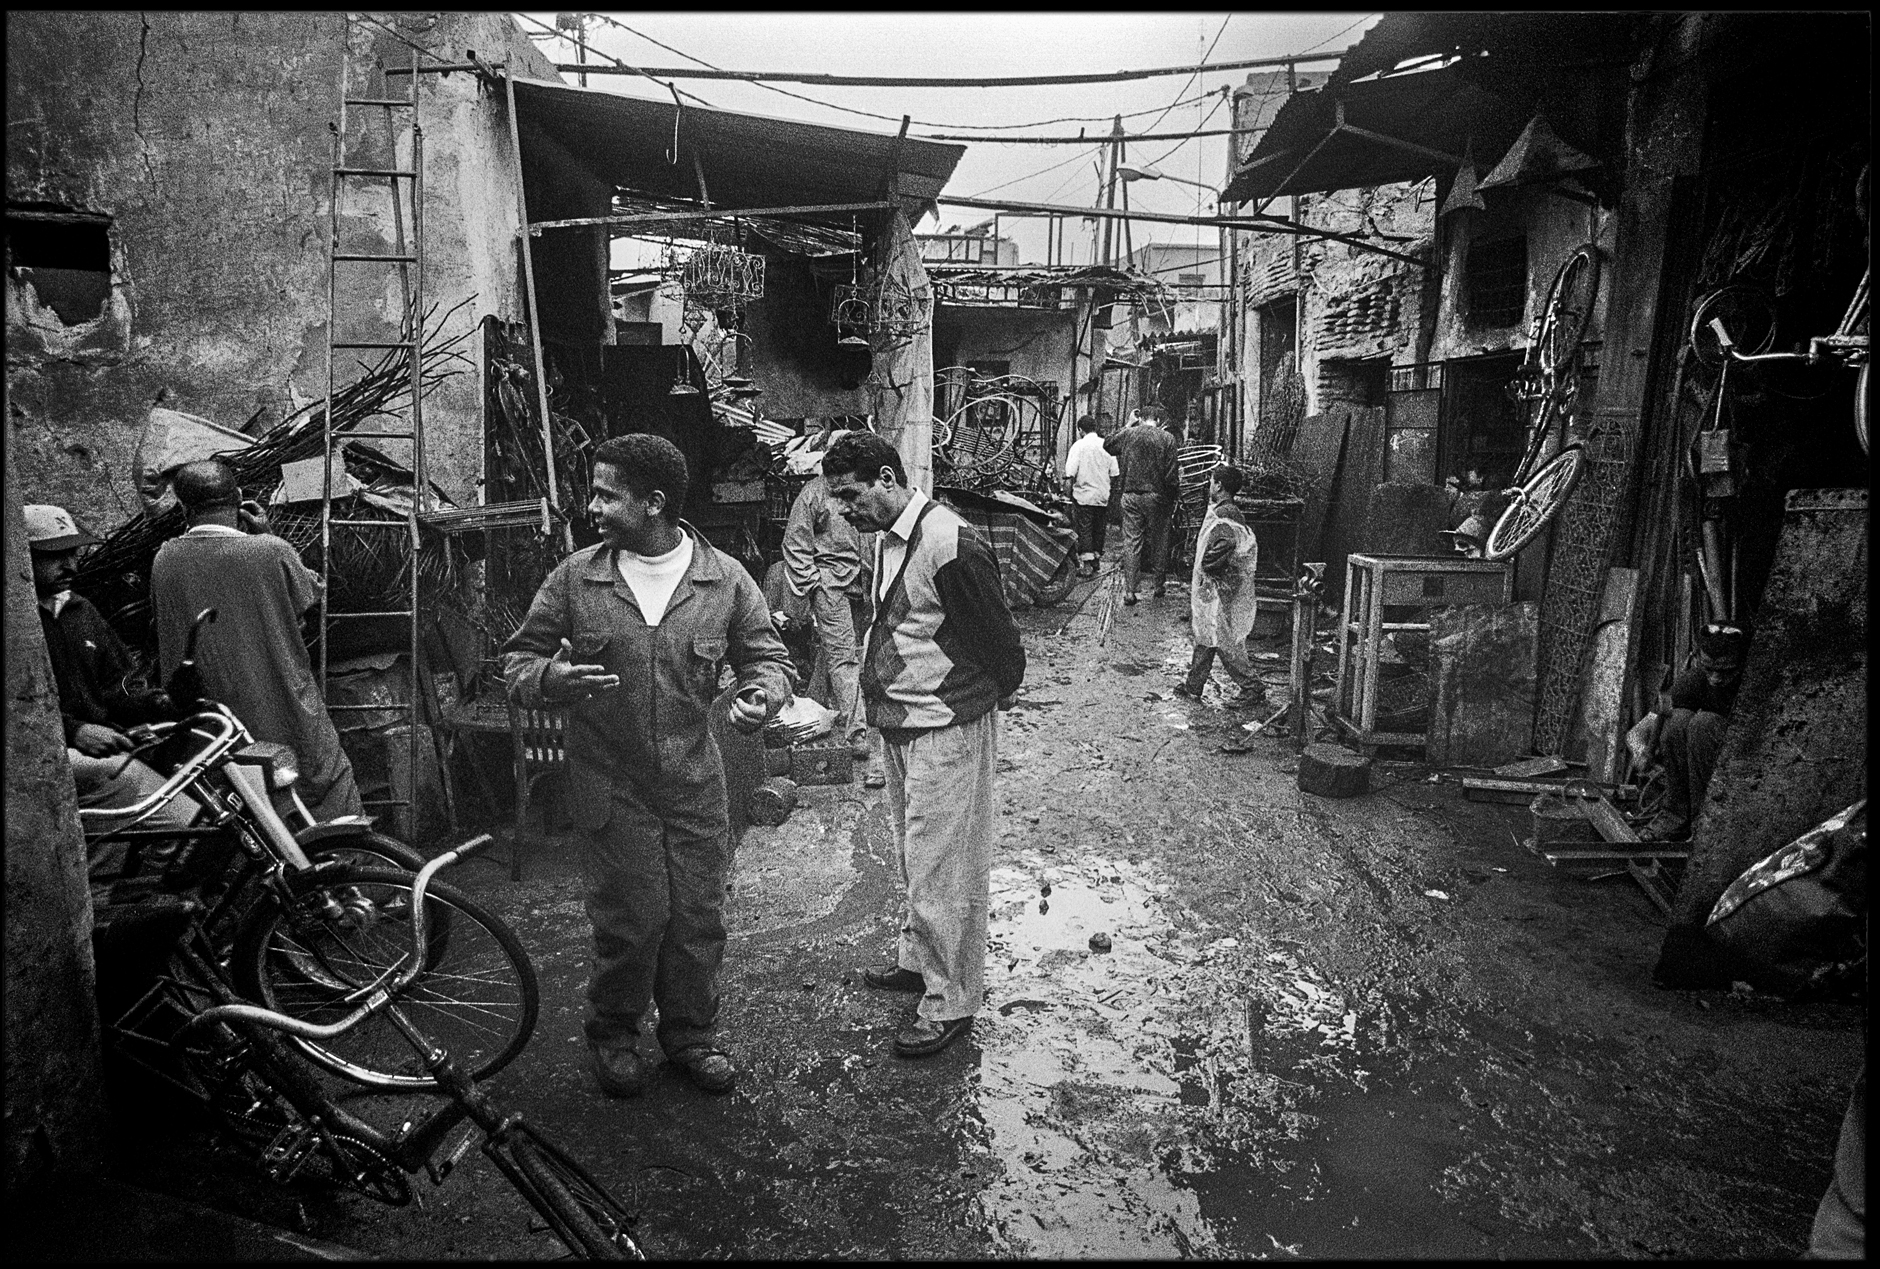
point(1796, 922)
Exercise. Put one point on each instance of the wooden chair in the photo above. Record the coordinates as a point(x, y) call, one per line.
point(537, 746)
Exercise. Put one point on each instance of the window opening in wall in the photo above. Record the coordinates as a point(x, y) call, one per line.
point(65, 257)
point(1191, 279)
point(1279, 337)
point(1497, 285)
point(1353, 381)
point(1481, 427)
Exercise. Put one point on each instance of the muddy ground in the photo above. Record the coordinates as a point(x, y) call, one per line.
point(1369, 1027)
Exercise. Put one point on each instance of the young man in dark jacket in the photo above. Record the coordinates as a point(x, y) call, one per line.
point(629, 637)
point(941, 655)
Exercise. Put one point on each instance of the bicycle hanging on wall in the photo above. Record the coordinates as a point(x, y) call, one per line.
point(1548, 381)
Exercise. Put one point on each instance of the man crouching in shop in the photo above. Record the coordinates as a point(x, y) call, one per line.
point(942, 651)
point(628, 637)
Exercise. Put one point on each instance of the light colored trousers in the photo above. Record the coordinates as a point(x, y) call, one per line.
point(836, 621)
point(940, 798)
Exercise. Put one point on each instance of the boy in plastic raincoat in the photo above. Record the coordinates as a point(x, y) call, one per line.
point(1221, 595)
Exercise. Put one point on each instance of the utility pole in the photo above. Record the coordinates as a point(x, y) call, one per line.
point(1109, 192)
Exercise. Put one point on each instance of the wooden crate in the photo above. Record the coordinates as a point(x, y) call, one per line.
point(821, 764)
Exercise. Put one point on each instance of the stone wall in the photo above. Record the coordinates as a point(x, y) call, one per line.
point(54, 1096)
point(203, 137)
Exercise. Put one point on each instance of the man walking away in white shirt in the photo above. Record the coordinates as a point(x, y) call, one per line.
point(1090, 468)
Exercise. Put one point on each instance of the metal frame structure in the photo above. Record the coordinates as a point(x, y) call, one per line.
point(407, 257)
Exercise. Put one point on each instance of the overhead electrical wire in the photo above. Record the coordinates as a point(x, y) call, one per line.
point(918, 123)
point(1006, 81)
point(669, 87)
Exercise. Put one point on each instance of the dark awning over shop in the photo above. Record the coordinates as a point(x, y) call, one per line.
point(1369, 126)
point(747, 160)
point(1399, 129)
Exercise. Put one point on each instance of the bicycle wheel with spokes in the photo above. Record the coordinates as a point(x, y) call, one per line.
point(1568, 309)
point(1537, 501)
point(345, 932)
point(258, 1097)
point(590, 1222)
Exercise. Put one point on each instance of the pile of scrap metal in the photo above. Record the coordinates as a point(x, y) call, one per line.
point(1044, 286)
point(115, 574)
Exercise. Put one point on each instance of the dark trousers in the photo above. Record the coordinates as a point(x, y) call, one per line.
point(1688, 746)
point(1145, 539)
point(656, 887)
point(1233, 660)
point(1091, 523)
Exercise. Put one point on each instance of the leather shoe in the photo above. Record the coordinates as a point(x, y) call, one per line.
point(1182, 689)
point(620, 1072)
point(1130, 598)
point(894, 978)
point(708, 1068)
point(927, 1037)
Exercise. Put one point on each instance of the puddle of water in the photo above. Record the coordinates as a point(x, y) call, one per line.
point(1184, 1095)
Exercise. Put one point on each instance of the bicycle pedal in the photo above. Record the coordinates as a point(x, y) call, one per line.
point(288, 1152)
point(438, 1171)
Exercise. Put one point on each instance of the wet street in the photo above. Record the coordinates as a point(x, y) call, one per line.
point(1373, 1027)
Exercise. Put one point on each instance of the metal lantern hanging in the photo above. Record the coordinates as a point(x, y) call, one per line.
point(852, 313)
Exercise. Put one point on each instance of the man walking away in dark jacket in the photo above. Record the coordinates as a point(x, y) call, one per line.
point(1146, 452)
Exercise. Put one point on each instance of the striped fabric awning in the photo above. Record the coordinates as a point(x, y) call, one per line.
point(1027, 553)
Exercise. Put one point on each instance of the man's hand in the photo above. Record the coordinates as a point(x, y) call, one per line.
point(1006, 702)
point(562, 681)
point(95, 740)
point(749, 707)
point(252, 517)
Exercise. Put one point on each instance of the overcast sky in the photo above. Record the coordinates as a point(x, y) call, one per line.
point(989, 45)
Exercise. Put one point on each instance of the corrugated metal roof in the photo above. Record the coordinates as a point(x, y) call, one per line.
point(748, 160)
point(1512, 66)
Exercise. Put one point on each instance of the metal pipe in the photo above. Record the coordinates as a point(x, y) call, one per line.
point(655, 218)
point(535, 318)
point(1261, 224)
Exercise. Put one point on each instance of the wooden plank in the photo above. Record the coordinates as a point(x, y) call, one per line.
point(1615, 652)
point(1318, 449)
point(1656, 884)
point(1610, 823)
point(1528, 768)
point(1482, 659)
point(1485, 789)
point(1571, 856)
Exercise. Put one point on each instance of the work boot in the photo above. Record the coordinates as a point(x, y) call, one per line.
point(620, 1070)
point(709, 1069)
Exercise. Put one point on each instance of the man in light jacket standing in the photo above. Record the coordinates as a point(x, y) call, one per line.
point(1090, 468)
point(942, 653)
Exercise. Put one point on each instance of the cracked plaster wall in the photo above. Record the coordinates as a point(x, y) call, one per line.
point(205, 137)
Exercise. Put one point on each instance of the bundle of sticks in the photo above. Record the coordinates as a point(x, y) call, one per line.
point(115, 574)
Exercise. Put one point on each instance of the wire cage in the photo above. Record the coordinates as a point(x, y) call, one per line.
point(852, 308)
point(717, 277)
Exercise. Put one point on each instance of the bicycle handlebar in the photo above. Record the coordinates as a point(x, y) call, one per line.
point(229, 732)
point(1819, 348)
point(379, 995)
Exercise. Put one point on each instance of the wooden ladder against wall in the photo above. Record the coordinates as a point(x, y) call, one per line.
point(344, 320)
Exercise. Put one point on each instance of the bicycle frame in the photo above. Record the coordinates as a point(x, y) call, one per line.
point(417, 1142)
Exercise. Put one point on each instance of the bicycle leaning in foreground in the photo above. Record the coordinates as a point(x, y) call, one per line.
point(268, 1099)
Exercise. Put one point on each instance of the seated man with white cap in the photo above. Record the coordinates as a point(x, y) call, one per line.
point(100, 691)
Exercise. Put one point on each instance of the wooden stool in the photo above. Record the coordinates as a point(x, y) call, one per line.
point(1376, 582)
